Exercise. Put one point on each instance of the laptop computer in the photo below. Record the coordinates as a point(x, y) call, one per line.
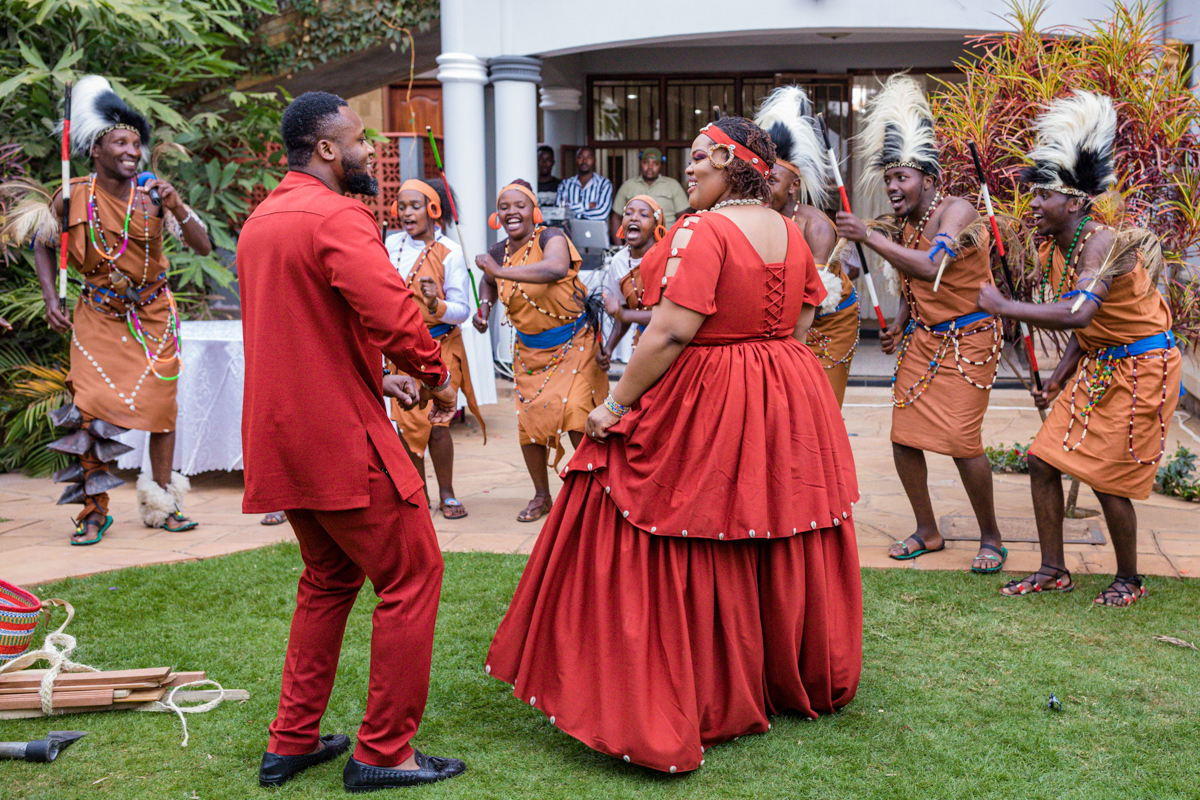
point(590, 238)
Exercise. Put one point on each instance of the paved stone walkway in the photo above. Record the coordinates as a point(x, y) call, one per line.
point(493, 485)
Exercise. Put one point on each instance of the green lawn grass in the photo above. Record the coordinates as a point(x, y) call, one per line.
point(952, 702)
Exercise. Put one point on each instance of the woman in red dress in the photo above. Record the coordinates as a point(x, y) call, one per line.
point(698, 571)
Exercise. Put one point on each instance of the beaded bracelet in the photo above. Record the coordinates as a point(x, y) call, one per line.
point(615, 408)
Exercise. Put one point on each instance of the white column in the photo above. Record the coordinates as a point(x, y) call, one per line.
point(515, 80)
point(560, 106)
point(463, 77)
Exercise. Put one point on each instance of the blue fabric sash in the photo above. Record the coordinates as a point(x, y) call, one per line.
point(641, 328)
point(960, 322)
point(555, 337)
point(842, 306)
point(1077, 292)
point(1159, 341)
point(440, 330)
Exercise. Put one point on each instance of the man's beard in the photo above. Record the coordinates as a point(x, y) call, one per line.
point(357, 179)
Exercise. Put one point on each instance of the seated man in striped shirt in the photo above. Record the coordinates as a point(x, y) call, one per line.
point(588, 195)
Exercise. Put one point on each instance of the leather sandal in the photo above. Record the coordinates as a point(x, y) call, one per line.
point(533, 516)
point(452, 509)
point(1122, 592)
point(1030, 585)
point(81, 527)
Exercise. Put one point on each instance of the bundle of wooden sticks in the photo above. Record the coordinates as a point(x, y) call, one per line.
point(76, 692)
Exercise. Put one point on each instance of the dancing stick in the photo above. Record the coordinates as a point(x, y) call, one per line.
point(937, 281)
point(1008, 278)
point(66, 203)
point(437, 159)
point(837, 177)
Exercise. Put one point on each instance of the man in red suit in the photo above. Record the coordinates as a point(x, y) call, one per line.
point(321, 306)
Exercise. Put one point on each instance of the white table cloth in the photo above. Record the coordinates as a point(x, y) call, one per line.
point(209, 426)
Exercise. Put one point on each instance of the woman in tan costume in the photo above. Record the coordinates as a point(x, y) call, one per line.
point(1116, 387)
point(535, 274)
point(432, 265)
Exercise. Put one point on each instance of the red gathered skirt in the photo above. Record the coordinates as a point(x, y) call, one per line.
point(654, 648)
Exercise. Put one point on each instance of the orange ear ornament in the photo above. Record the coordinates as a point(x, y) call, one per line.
point(621, 231)
point(659, 232)
point(494, 222)
point(538, 219)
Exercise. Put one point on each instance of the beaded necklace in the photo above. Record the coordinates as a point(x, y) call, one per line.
point(1067, 268)
point(517, 287)
point(920, 228)
point(119, 280)
point(745, 201)
point(551, 367)
point(94, 226)
point(952, 337)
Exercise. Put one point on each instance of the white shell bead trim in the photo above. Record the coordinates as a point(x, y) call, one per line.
point(626, 759)
point(653, 528)
point(814, 524)
point(551, 719)
point(720, 536)
point(533, 701)
point(672, 770)
point(487, 668)
point(624, 513)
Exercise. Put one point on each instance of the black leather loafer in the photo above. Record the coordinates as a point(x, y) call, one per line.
point(360, 777)
point(278, 770)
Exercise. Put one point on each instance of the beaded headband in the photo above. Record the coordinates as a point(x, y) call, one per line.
point(1060, 188)
point(724, 142)
point(909, 164)
point(111, 128)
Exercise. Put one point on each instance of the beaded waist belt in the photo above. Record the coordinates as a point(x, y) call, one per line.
point(555, 337)
point(441, 329)
point(957, 323)
point(1159, 341)
point(132, 298)
point(842, 306)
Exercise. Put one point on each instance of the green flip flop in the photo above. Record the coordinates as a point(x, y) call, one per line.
point(99, 533)
point(1000, 557)
point(914, 553)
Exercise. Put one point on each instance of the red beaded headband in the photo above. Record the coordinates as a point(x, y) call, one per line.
point(733, 148)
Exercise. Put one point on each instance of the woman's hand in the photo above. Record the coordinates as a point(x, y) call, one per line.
point(488, 264)
point(613, 307)
point(599, 421)
point(989, 299)
point(429, 294)
point(480, 320)
point(603, 358)
point(889, 338)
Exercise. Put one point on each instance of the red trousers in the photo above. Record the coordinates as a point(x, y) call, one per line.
point(392, 543)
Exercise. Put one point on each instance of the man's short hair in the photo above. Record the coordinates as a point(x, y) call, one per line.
point(546, 149)
point(305, 121)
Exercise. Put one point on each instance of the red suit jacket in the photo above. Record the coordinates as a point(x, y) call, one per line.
point(320, 302)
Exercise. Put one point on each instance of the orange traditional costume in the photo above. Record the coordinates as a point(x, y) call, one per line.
point(1108, 427)
point(125, 338)
point(443, 262)
point(833, 337)
point(947, 360)
point(558, 381)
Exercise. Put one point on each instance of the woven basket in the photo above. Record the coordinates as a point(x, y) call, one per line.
point(19, 612)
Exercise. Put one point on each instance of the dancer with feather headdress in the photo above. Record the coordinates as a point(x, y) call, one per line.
point(1121, 369)
point(799, 184)
point(948, 350)
point(124, 336)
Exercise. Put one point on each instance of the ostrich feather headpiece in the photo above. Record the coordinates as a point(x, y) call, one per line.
point(898, 131)
point(787, 116)
point(1074, 151)
point(96, 110)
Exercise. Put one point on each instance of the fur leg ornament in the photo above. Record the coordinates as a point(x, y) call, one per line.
point(156, 504)
point(833, 291)
point(891, 279)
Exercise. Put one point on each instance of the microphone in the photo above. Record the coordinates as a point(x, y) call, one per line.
point(145, 178)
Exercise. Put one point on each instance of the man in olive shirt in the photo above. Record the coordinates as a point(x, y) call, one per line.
point(650, 181)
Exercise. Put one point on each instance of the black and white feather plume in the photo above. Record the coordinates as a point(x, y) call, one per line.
point(787, 116)
point(897, 132)
point(95, 110)
point(1074, 151)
